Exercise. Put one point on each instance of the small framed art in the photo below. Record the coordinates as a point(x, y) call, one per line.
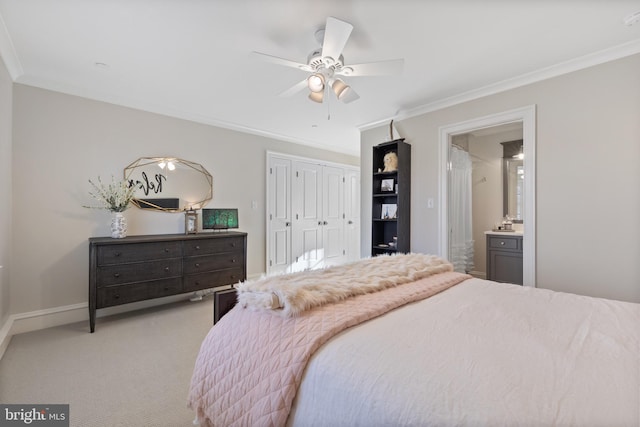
point(389, 211)
point(386, 186)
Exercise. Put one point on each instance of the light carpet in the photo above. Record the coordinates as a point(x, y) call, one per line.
point(134, 370)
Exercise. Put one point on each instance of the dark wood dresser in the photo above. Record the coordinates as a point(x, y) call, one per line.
point(139, 268)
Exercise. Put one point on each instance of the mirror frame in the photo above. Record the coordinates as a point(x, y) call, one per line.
point(146, 161)
point(510, 149)
point(507, 191)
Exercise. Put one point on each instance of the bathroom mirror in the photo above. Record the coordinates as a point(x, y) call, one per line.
point(169, 184)
point(513, 180)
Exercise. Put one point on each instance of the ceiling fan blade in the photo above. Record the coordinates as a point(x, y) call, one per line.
point(294, 89)
point(280, 61)
point(336, 34)
point(381, 68)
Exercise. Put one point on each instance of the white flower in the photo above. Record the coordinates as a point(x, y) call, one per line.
point(115, 196)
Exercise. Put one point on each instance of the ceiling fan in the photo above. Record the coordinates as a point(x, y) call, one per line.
point(326, 65)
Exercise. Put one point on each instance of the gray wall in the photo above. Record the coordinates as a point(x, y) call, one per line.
point(587, 177)
point(6, 95)
point(61, 141)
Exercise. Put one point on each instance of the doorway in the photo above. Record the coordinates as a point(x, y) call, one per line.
point(525, 116)
point(478, 170)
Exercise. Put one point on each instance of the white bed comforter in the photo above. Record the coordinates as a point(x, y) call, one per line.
point(480, 354)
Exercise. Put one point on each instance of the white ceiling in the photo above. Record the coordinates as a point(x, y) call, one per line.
point(190, 58)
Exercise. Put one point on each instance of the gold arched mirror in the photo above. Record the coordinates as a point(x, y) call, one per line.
point(169, 184)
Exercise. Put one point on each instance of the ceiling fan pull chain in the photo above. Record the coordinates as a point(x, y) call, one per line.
point(328, 98)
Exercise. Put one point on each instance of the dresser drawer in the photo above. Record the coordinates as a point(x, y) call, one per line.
point(511, 243)
point(198, 264)
point(213, 246)
point(116, 295)
point(119, 274)
point(115, 254)
point(212, 279)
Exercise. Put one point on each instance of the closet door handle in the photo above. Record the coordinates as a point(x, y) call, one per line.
point(287, 224)
point(319, 222)
point(325, 223)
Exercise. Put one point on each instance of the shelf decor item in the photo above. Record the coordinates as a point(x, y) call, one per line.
point(116, 198)
point(386, 186)
point(390, 161)
point(190, 221)
point(389, 211)
point(118, 225)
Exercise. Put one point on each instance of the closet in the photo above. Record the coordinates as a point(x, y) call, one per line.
point(313, 213)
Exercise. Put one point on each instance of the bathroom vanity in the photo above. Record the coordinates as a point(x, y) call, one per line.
point(504, 256)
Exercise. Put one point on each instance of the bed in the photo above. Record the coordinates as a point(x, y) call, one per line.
point(424, 349)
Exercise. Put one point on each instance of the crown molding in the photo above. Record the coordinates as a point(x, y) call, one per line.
point(8, 53)
point(576, 64)
point(163, 110)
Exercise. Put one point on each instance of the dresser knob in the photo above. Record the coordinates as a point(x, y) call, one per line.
point(197, 265)
point(116, 275)
point(166, 288)
point(233, 245)
point(233, 260)
point(117, 254)
point(116, 296)
point(197, 247)
point(166, 269)
point(502, 243)
point(166, 250)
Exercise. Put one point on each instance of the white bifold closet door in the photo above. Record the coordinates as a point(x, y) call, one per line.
point(308, 204)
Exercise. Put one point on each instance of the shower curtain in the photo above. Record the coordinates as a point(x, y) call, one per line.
point(460, 212)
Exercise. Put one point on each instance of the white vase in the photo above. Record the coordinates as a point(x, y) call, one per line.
point(118, 225)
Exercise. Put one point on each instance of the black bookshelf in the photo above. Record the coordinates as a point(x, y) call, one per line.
point(391, 200)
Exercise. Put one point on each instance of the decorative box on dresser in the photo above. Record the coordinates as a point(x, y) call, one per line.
point(504, 257)
point(138, 268)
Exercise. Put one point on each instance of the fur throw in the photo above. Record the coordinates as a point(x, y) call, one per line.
point(294, 293)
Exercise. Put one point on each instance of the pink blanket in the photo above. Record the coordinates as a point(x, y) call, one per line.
point(251, 363)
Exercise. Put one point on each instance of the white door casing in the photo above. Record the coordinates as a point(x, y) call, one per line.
point(526, 115)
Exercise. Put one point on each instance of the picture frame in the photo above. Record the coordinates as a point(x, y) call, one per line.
point(190, 222)
point(386, 186)
point(389, 211)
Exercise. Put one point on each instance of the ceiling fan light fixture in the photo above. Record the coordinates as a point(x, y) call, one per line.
point(340, 88)
point(316, 97)
point(316, 82)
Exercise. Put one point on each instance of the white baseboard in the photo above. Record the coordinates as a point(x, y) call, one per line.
point(49, 317)
point(56, 316)
point(478, 274)
point(5, 335)
point(39, 319)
